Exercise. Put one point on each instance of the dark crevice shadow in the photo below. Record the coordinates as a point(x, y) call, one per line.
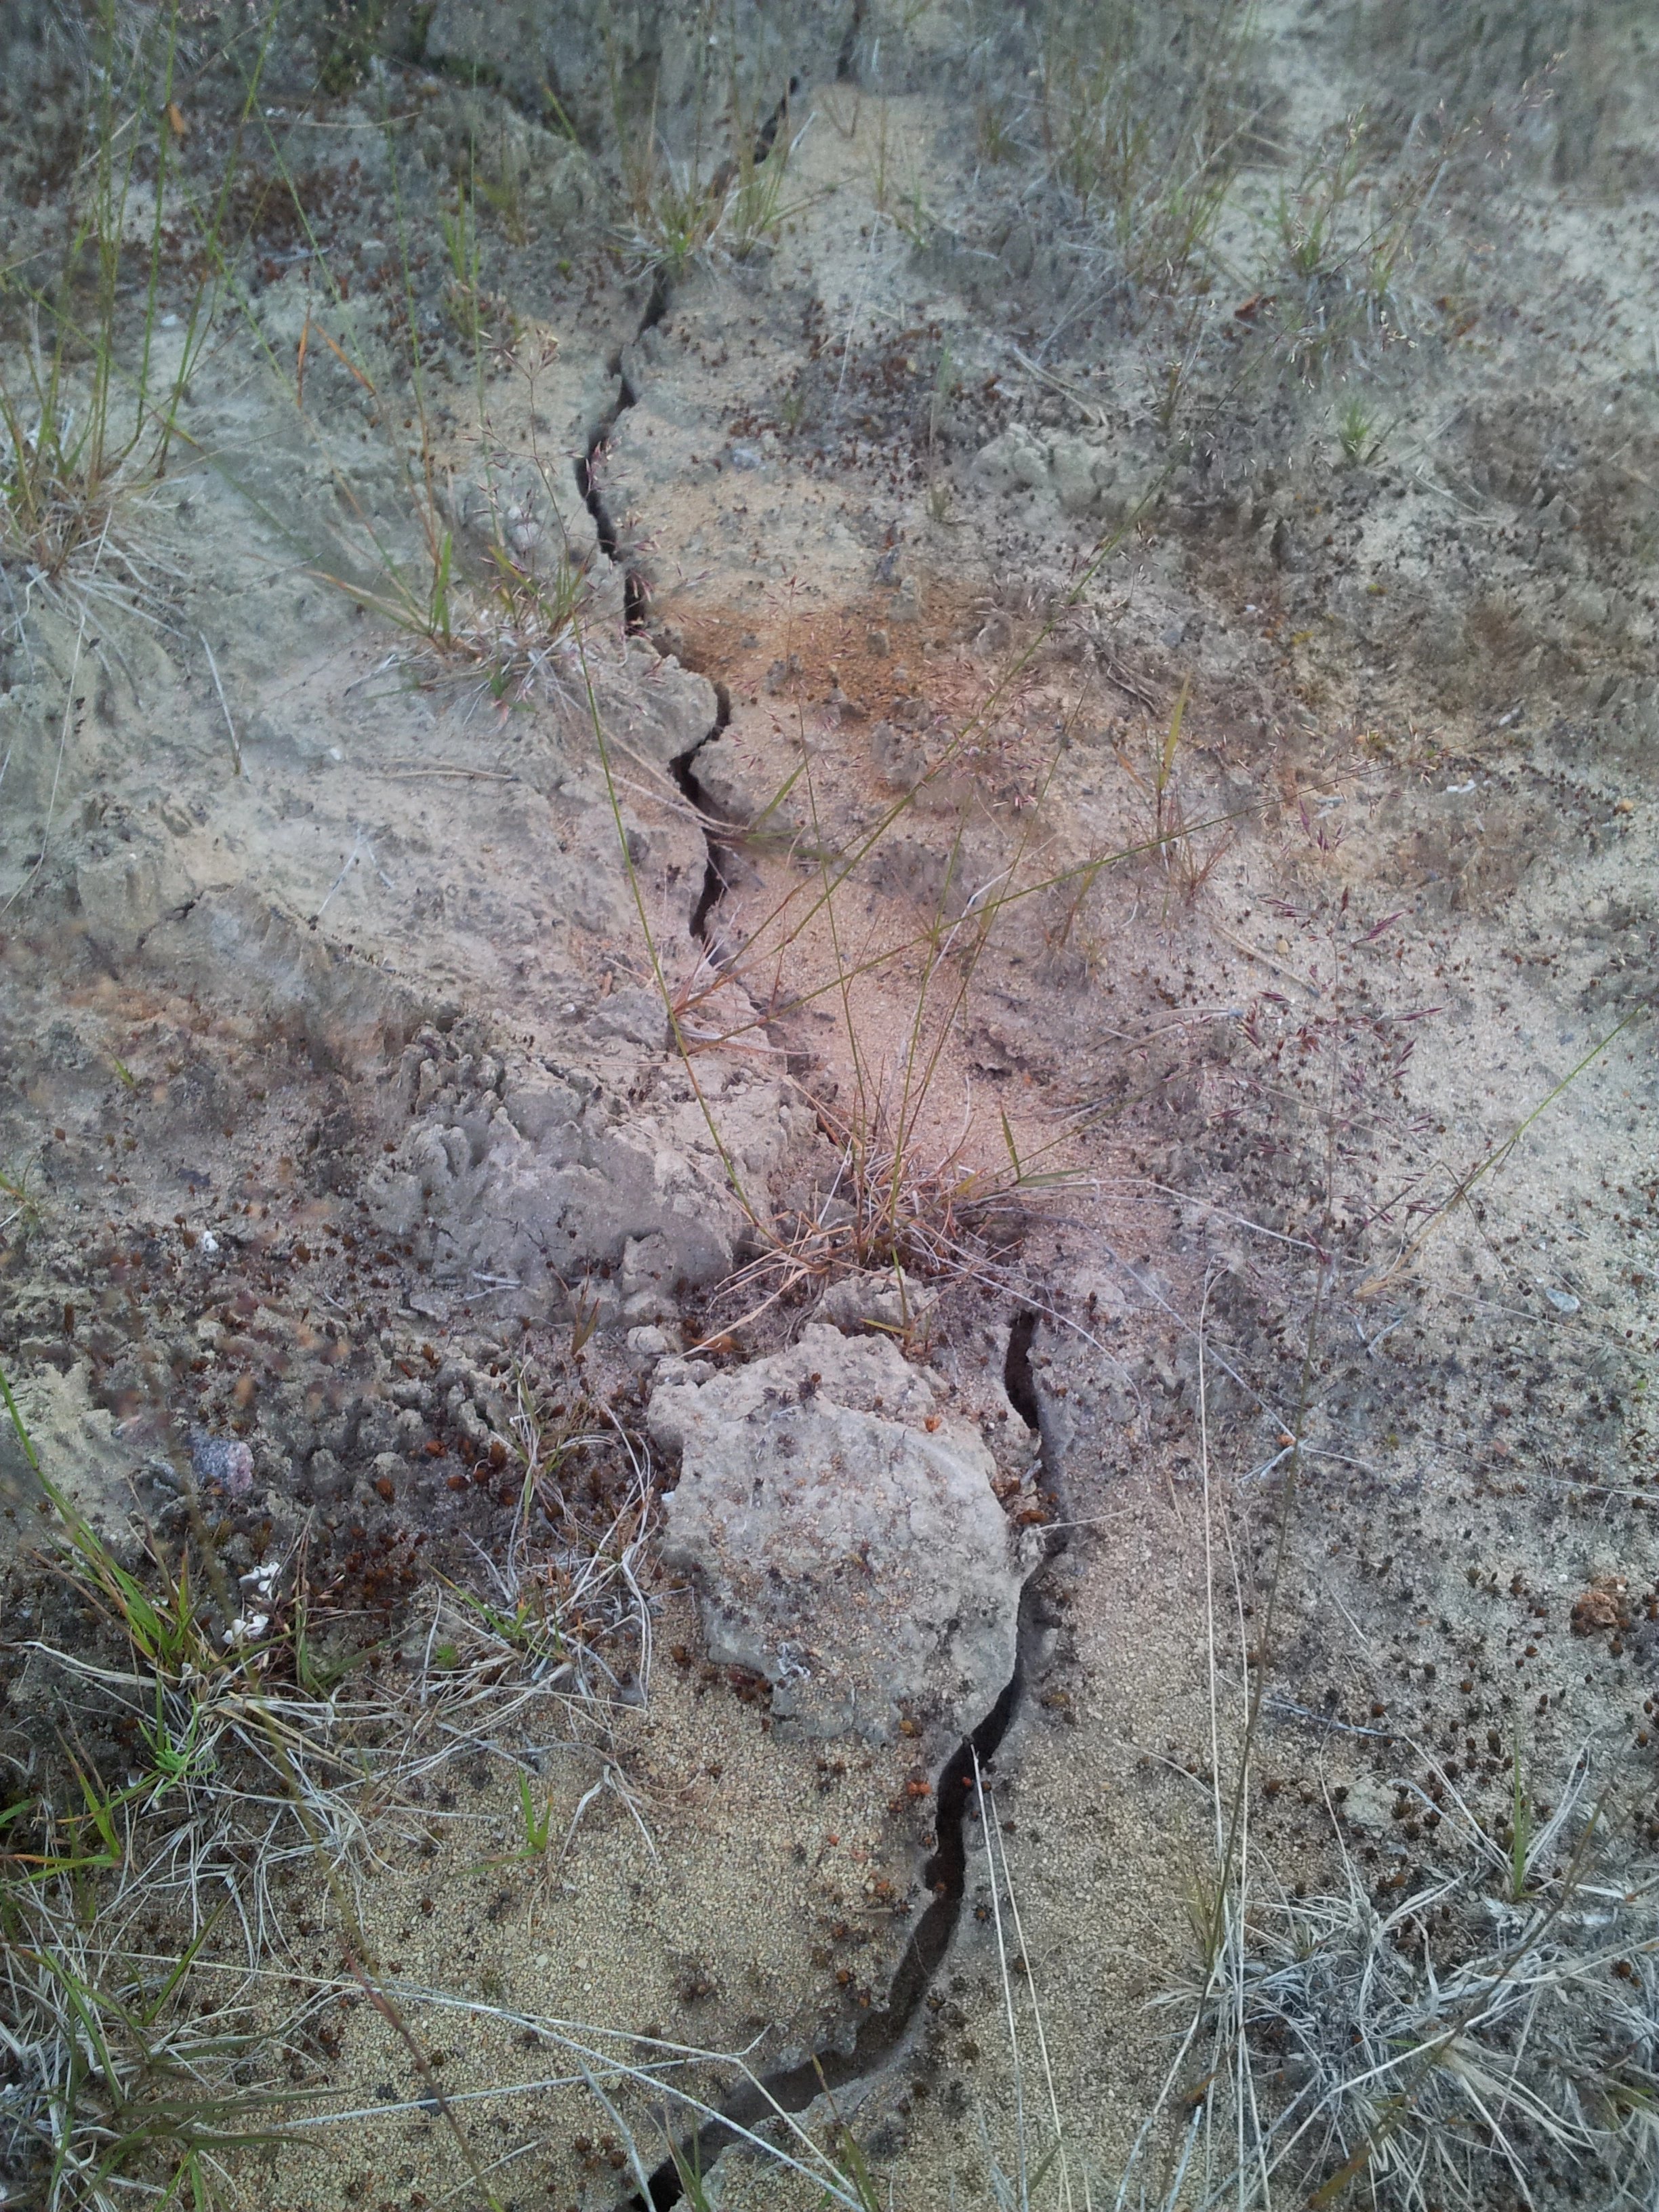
point(1017, 1378)
point(682, 768)
point(845, 70)
point(767, 137)
point(712, 891)
point(636, 592)
point(636, 602)
point(587, 485)
point(882, 2033)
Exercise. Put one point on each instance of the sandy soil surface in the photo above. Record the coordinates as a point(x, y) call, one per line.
point(656, 745)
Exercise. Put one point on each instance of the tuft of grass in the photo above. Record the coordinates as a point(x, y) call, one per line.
point(757, 209)
point(463, 303)
point(930, 1191)
point(125, 2079)
point(536, 1825)
point(348, 42)
point(678, 218)
point(1186, 865)
point(25, 1206)
point(1143, 131)
point(993, 131)
point(512, 630)
point(1417, 2047)
point(1339, 239)
point(125, 2082)
point(1307, 217)
point(1357, 433)
point(87, 412)
point(1173, 379)
point(1418, 2069)
point(674, 217)
point(241, 1705)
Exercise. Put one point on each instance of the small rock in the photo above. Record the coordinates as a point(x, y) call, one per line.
point(734, 784)
point(325, 1472)
point(223, 1460)
point(899, 760)
point(847, 1544)
point(1082, 474)
point(638, 1015)
point(1016, 458)
point(881, 1299)
point(1368, 1804)
point(1286, 549)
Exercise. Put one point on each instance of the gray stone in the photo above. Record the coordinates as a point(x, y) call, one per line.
point(638, 1015)
point(1369, 1805)
point(740, 787)
point(1018, 457)
point(881, 1299)
point(327, 1476)
point(224, 1460)
point(1079, 470)
point(534, 514)
point(1082, 475)
point(661, 709)
point(844, 1537)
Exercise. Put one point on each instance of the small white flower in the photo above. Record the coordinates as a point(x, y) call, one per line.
point(262, 1580)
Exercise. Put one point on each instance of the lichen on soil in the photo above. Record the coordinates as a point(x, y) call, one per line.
point(826, 934)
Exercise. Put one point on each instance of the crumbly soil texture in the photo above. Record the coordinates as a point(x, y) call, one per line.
point(768, 678)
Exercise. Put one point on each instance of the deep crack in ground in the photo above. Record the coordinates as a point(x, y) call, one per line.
point(883, 2033)
point(883, 2030)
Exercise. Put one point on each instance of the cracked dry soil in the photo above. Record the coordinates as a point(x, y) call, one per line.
point(448, 1069)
